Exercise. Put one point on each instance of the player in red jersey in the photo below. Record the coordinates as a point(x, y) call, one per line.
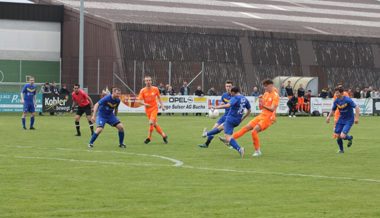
point(85, 105)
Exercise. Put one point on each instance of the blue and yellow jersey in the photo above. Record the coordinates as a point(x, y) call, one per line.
point(226, 97)
point(29, 92)
point(107, 105)
point(346, 107)
point(238, 104)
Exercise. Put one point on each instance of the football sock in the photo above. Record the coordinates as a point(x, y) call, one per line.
point(151, 127)
point(213, 132)
point(234, 144)
point(340, 143)
point(209, 139)
point(23, 122)
point(159, 130)
point(91, 127)
point(256, 140)
point(348, 137)
point(31, 121)
point(240, 133)
point(121, 138)
point(77, 126)
point(93, 138)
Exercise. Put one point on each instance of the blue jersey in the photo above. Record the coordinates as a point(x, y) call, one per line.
point(29, 92)
point(226, 97)
point(107, 105)
point(346, 108)
point(238, 104)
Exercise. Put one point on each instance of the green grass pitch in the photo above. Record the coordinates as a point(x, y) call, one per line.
point(51, 173)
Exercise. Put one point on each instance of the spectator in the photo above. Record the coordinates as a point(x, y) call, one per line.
point(330, 93)
point(54, 89)
point(369, 92)
point(185, 90)
point(199, 92)
point(357, 93)
point(45, 89)
point(170, 90)
point(301, 99)
point(289, 89)
point(350, 94)
point(211, 92)
point(255, 92)
point(324, 93)
point(292, 105)
point(307, 101)
point(283, 90)
point(162, 89)
point(64, 91)
point(363, 93)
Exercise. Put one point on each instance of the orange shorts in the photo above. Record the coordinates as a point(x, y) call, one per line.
point(263, 122)
point(152, 114)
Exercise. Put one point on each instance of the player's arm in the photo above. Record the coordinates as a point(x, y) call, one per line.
point(160, 101)
point(35, 99)
point(246, 114)
point(222, 106)
point(73, 105)
point(357, 114)
point(274, 105)
point(331, 112)
point(22, 95)
point(93, 118)
point(90, 100)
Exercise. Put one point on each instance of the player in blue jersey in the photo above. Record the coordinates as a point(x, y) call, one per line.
point(347, 118)
point(28, 99)
point(218, 127)
point(238, 104)
point(105, 112)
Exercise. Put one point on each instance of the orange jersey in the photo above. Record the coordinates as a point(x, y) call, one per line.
point(270, 99)
point(149, 96)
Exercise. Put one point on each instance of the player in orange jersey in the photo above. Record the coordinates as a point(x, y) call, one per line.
point(268, 103)
point(148, 97)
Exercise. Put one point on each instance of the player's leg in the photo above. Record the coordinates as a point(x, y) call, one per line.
point(228, 130)
point(153, 119)
point(100, 123)
point(23, 118)
point(256, 140)
point(151, 128)
point(246, 128)
point(32, 119)
point(119, 126)
point(338, 130)
point(219, 126)
point(344, 134)
point(77, 117)
point(88, 116)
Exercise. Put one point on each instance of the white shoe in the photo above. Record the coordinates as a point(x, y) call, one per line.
point(204, 134)
point(290, 115)
point(241, 152)
point(257, 154)
point(294, 115)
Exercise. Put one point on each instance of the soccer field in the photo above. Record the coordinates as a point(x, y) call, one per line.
point(51, 173)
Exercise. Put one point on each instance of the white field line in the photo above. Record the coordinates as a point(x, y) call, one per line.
point(181, 165)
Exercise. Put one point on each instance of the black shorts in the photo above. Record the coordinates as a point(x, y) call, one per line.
point(86, 109)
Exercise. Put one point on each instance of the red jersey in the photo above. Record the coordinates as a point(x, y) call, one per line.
point(81, 98)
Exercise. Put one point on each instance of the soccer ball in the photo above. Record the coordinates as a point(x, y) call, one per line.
point(213, 114)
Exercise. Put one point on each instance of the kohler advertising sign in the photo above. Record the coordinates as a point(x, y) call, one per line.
point(56, 103)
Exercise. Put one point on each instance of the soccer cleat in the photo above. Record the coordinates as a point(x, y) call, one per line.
point(78, 134)
point(165, 139)
point(340, 152)
point(224, 140)
point(203, 146)
point(204, 134)
point(32, 128)
point(147, 140)
point(290, 115)
point(257, 154)
point(122, 146)
point(90, 146)
point(241, 152)
point(349, 144)
point(24, 128)
point(294, 115)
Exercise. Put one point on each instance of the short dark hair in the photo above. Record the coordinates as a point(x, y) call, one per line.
point(267, 82)
point(339, 89)
point(76, 84)
point(235, 89)
point(229, 82)
point(146, 76)
point(114, 89)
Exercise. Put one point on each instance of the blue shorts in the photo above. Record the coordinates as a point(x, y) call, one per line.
point(29, 107)
point(222, 119)
point(229, 126)
point(111, 120)
point(342, 128)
